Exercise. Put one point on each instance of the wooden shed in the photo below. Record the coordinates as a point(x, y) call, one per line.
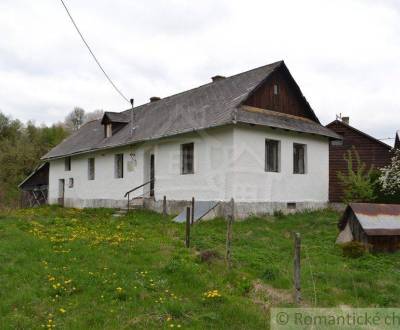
point(377, 225)
point(35, 187)
point(373, 152)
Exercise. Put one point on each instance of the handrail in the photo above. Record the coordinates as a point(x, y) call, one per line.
point(138, 187)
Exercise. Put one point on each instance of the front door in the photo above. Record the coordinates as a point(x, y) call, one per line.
point(152, 176)
point(61, 191)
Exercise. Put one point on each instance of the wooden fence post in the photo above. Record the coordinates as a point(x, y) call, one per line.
point(164, 206)
point(192, 220)
point(296, 264)
point(230, 220)
point(187, 238)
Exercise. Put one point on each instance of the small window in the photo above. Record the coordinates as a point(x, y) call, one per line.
point(108, 130)
point(271, 156)
point(91, 169)
point(291, 205)
point(119, 166)
point(299, 158)
point(276, 89)
point(68, 164)
point(187, 158)
point(71, 183)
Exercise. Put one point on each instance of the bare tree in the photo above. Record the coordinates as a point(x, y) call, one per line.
point(75, 119)
point(93, 115)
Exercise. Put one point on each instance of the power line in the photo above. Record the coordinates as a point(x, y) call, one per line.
point(94, 56)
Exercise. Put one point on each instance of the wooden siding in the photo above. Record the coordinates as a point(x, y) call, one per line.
point(289, 99)
point(372, 152)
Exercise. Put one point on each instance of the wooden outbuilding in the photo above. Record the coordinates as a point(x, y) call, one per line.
point(376, 225)
point(35, 187)
point(374, 153)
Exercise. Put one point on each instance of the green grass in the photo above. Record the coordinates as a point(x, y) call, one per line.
point(83, 269)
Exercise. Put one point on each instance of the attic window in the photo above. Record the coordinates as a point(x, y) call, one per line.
point(108, 130)
point(67, 164)
point(276, 89)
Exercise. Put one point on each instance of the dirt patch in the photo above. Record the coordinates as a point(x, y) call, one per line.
point(266, 296)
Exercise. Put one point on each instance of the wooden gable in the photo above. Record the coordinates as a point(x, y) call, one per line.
point(281, 93)
point(372, 152)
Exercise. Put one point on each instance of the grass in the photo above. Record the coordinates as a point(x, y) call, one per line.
point(84, 269)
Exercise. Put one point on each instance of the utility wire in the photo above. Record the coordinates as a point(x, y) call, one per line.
point(94, 56)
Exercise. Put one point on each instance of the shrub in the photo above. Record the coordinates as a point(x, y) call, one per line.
point(358, 182)
point(389, 180)
point(354, 249)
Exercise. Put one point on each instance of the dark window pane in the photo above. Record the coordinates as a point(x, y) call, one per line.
point(271, 156)
point(187, 160)
point(91, 169)
point(119, 166)
point(299, 158)
point(68, 164)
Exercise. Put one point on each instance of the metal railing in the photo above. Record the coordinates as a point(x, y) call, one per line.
point(127, 194)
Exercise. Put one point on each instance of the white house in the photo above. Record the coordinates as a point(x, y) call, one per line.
point(252, 137)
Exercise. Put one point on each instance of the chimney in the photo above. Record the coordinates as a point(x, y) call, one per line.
point(346, 120)
point(155, 99)
point(217, 78)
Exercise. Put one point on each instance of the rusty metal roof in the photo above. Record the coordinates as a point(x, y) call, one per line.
point(375, 219)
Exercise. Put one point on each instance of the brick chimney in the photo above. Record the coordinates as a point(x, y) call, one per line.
point(155, 99)
point(217, 78)
point(346, 120)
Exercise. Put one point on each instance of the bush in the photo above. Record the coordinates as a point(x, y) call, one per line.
point(354, 249)
point(358, 182)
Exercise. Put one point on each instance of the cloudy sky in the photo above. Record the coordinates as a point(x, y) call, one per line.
point(344, 54)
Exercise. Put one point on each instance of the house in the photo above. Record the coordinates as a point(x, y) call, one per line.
point(252, 137)
point(375, 225)
point(35, 186)
point(372, 152)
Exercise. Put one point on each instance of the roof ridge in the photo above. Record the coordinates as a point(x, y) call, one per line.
point(209, 83)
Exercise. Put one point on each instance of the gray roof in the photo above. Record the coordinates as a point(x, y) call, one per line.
point(116, 117)
point(375, 219)
point(214, 104)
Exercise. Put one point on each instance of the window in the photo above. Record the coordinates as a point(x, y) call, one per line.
point(91, 169)
point(299, 158)
point(68, 164)
point(71, 183)
point(108, 130)
point(271, 156)
point(187, 158)
point(276, 89)
point(119, 166)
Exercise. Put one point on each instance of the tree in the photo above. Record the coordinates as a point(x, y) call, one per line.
point(390, 176)
point(358, 182)
point(75, 119)
point(94, 115)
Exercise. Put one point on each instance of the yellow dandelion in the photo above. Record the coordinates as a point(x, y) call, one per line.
point(62, 310)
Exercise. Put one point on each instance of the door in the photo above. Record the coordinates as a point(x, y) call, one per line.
point(61, 191)
point(151, 175)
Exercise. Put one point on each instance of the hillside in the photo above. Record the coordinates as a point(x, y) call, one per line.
point(84, 269)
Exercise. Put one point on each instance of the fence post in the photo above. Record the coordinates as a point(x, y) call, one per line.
point(230, 220)
point(296, 263)
point(164, 206)
point(187, 238)
point(192, 220)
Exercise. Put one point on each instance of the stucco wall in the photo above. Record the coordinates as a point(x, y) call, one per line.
point(253, 184)
point(228, 162)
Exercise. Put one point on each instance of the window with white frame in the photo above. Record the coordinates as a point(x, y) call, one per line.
point(119, 166)
point(91, 169)
point(272, 156)
point(71, 183)
point(299, 158)
point(187, 158)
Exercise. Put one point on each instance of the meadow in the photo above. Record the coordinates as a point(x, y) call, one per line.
point(84, 269)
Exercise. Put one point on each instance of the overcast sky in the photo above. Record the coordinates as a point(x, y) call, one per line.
point(344, 54)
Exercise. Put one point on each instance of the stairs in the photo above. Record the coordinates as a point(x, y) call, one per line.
point(134, 204)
